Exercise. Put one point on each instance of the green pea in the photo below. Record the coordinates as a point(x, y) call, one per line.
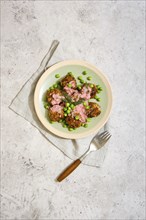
point(70, 73)
point(69, 85)
point(71, 129)
point(85, 103)
point(69, 108)
point(85, 125)
point(82, 81)
point(67, 104)
point(99, 88)
point(77, 117)
point(51, 87)
point(98, 99)
point(79, 87)
point(55, 86)
point(60, 120)
point(65, 109)
point(87, 107)
point(57, 76)
point(65, 114)
point(46, 105)
point(91, 85)
point(84, 73)
point(72, 106)
point(88, 119)
point(65, 126)
point(89, 78)
point(80, 77)
point(68, 111)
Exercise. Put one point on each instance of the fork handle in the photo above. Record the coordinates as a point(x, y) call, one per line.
point(69, 170)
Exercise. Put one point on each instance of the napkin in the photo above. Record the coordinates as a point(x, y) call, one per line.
point(22, 104)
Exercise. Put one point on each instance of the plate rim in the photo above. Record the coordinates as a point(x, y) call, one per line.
point(48, 126)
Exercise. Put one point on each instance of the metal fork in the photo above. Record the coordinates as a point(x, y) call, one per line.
point(96, 143)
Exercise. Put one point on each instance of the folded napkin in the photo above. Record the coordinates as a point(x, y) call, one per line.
point(23, 105)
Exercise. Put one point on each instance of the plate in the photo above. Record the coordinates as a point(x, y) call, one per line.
point(76, 67)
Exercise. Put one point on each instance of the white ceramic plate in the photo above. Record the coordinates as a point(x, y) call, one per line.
point(76, 67)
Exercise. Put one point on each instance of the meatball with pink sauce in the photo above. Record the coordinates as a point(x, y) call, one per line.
point(54, 96)
point(94, 110)
point(56, 113)
point(69, 81)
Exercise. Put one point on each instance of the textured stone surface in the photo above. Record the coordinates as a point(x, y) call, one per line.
point(109, 34)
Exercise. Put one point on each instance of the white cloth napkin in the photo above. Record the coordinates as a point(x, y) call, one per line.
point(22, 105)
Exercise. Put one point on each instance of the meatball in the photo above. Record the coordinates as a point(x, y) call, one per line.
point(69, 79)
point(72, 122)
point(56, 113)
point(94, 110)
point(54, 96)
point(88, 91)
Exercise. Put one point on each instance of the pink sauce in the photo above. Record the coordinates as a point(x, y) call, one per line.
point(80, 110)
point(56, 108)
point(69, 91)
point(86, 92)
point(56, 99)
point(76, 95)
point(73, 84)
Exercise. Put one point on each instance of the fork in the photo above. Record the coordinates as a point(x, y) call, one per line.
point(96, 143)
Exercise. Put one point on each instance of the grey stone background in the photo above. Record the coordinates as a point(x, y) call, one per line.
point(110, 35)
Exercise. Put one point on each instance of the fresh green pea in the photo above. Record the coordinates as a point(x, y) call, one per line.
point(85, 103)
point(46, 105)
point(65, 126)
point(87, 107)
point(65, 109)
point(85, 125)
point(69, 85)
point(71, 129)
point(89, 78)
point(55, 86)
point(98, 99)
point(67, 104)
point(70, 73)
point(57, 76)
point(84, 73)
point(68, 111)
point(81, 81)
point(60, 120)
point(88, 119)
point(72, 106)
point(51, 87)
point(80, 77)
point(79, 87)
point(91, 85)
point(69, 108)
point(65, 114)
point(77, 117)
point(99, 88)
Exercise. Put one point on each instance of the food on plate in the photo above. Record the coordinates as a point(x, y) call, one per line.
point(54, 96)
point(94, 110)
point(69, 80)
point(55, 113)
point(69, 103)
